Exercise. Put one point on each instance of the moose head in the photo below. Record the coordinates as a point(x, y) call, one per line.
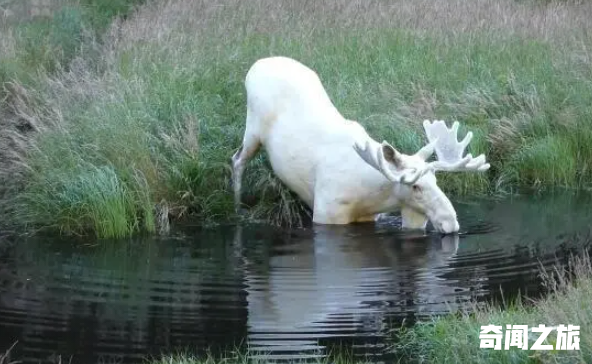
point(414, 178)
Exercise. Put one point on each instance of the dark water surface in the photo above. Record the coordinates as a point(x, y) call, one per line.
point(283, 293)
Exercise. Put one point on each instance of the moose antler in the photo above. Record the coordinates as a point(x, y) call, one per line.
point(449, 150)
point(376, 158)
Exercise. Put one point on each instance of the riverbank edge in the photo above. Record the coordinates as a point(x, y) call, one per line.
point(454, 338)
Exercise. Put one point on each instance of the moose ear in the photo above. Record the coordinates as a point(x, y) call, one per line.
point(391, 155)
point(384, 158)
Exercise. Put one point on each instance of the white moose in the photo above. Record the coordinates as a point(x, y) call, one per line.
point(332, 163)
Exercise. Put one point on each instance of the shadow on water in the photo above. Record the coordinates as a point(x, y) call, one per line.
point(284, 294)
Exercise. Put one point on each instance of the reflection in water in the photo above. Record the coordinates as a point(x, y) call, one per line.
point(281, 293)
point(343, 281)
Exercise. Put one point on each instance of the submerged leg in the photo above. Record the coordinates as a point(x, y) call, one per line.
point(330, 211)
point(384, 216)
point(366, 218)
point(247, 150)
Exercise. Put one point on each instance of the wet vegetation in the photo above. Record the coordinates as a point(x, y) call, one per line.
point(188, 359)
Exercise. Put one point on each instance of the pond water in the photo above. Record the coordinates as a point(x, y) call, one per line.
point(282, 294)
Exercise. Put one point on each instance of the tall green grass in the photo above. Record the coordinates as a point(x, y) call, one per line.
point(43, 44)
point(96, 196)
point(34, 48)
point(163, 98)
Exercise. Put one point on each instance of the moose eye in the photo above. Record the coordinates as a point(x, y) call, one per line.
point(416, 188)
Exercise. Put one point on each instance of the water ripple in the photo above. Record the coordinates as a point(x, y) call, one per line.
point(276, 294)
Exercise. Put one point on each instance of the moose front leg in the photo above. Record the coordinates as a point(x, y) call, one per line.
point(331, 210)
point(331, 214)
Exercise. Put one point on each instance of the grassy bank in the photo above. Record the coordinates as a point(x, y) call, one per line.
point(140, 126)
point(188, 359)
point(232, 359)
point(237, 358)
point(455, 338)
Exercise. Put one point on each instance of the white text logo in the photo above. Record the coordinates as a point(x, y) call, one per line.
point(491, 336)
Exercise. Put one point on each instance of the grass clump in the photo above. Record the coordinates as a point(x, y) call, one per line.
point(162, 97)
point(183, 359)
point(240, 358)
point(94, 196)
point(455, 338)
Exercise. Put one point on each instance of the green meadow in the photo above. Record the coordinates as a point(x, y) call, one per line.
point(119, 116)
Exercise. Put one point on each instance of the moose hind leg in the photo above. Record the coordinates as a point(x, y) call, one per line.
point(240, 159)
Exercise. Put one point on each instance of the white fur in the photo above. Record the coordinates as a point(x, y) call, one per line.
point(320, 155)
